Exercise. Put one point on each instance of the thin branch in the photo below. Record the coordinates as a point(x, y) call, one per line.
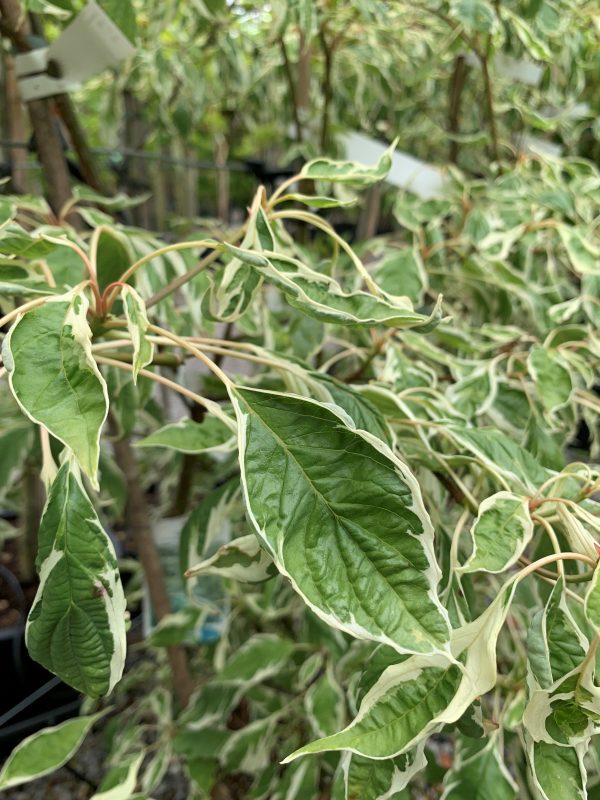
point(292, 89)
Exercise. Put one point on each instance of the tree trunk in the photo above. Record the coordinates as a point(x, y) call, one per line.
point(15, 127)
point(134, 136)
point(221, 155)
point(15, 26)
point(368, 221)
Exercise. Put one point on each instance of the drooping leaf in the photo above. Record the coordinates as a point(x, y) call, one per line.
point(582, 254)
point(501, 454)
point(112, 256)
point(120, 782)
point(343, 519)
point(363, 412)
point(369, 779)
point(415, 698)
point(76, 626)
point(592, 600)
point(260, 657)
point(209, 436)
point(325, 705)
point(500, 533)
point(208, 527)
point(242, 559)
point(479, 773)
point(325, 169)
point(45, 751)
point(54, 377)
point(316, 201)
point(401, 272)
point(552, 380)
point(558, 772)
point(137, 325)
point(323, 298)
point(554, 647)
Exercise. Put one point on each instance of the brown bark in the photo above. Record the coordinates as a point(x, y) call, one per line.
point(221, 155)
point(371, 211)
point(134, 136)
point(15, 26)
point(457, 82)
point(15, 127)
point(140, 526)
point(303, 93)
point(87, 163)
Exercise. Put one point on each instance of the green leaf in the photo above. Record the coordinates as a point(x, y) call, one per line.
point(315, 201)
point(120, 782)
point(417, 697)
point(359, 552)
point(175, 628)
point(15, 443)
point(501, 532)
point(117, 202)
point(27, 287)
point(554, 647)
point(592, 600)
point(325, 169)
point(45, 751)
point(325, 705)
point(401, 272)
point(323, 298)
point(552, 380)
point(260, 657)
point(582, 254)
point(475, 15)
point(558, 772)
point(54, 377)
point(369, 779)
point(209, 523)
point(249, 749)
point(363, 413)
point(475, 393)
point(110, 253)
point(76, 626)
point(242, 559)
point(477, 225)
point(137, 325)
point(186, 436)
point(15, 241)
point(479, 773)
point(122, 13)
point(502, 455)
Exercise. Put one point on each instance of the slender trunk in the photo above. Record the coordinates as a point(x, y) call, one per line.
point(15, 127)
point(489, 96)
point(141, 528)
point(15, 26)
point(191, 185)
point(87, 163)
point(457, 83)
point(221, 155)
point(159, 196)
point(289, 75)
point(327, 88)
point(303, 92)
point(371, 211)
point(134, 136)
